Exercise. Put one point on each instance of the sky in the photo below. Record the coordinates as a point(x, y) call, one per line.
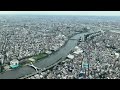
point(93, 13)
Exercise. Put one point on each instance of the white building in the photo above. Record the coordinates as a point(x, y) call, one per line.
point(31, 59)
point(14, 63)
point(48, 52)
point(70, 56)
point(117, 55)
point(77, 50)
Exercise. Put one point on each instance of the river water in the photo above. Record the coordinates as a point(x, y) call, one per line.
point(62, 53)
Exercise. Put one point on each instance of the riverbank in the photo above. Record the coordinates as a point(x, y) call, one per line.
point(97, 67)
point(43, 63)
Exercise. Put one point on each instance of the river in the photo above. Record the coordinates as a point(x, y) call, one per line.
point(62, 53)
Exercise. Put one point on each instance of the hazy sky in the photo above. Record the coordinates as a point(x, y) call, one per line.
point(96, 13)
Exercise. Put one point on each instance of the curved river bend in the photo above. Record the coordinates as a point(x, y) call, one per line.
point(62, 53)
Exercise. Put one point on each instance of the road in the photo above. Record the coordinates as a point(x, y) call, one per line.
point(62, 53)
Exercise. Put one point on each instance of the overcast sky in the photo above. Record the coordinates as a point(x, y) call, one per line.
point(96, 13)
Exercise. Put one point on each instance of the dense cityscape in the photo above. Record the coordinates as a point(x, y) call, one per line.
point(59, 47)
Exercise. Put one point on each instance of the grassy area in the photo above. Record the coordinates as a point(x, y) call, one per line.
point(23, 63)
point(39, 56)
point(35, 57)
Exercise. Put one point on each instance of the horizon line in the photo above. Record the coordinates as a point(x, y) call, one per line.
point(62, 15)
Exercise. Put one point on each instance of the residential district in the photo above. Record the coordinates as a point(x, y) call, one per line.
point(26, 39)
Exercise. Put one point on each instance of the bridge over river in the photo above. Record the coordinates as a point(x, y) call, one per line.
point(46, 62)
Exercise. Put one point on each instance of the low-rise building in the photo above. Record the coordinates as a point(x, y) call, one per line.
point(70, 56)
point(14, 63)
